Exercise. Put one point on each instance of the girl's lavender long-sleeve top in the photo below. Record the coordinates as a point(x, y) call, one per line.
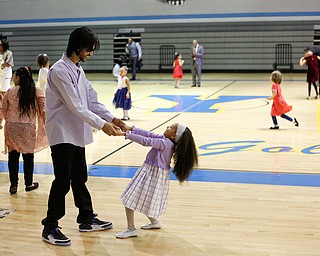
point(162, 148)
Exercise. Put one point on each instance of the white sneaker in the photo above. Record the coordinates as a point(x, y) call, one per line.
point(155, 225)
point(126, 234)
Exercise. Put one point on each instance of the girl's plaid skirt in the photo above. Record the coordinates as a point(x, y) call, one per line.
point(148, 191)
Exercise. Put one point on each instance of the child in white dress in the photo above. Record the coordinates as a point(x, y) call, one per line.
point(43, 63)
point(6, 64)
point(148, 190)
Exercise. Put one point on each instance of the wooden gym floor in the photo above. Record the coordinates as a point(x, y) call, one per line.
point(256, 192)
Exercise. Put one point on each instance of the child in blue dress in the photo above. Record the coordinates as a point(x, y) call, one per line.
point(148, 190)
point(122, 97)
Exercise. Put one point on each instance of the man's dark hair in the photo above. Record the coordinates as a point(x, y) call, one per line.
point(82, 38)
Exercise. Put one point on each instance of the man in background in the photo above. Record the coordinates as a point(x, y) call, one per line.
point(197, 52)
point(133, 49)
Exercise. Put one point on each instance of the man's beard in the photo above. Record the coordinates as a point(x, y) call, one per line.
point(83, 58)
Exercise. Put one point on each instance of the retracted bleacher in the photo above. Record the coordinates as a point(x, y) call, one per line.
point(166, 57)
point(283, 57)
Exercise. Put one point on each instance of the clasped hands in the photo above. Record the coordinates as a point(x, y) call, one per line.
point(116, 128)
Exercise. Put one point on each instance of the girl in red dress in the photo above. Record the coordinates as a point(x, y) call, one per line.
point(311, 61)
point(279, 106)
point(177, 68)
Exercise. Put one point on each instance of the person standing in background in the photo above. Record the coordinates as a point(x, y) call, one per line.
point(197, 52)
point(122, 97)
point(311, 61)
point(117, 66)
point(23, 109)
point(177, 69)
point(6, 64)
point(316, 51)
point(43, 63)
point(133, 49)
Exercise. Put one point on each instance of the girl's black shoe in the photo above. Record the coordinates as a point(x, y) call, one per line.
point(13, 190)
point(34, 185)
point(274, 128)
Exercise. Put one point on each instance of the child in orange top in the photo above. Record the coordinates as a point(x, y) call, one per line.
point(177, 68)
point(279, 106)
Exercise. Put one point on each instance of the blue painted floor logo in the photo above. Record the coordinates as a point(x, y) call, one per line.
point(194, 103)
point(218, 148)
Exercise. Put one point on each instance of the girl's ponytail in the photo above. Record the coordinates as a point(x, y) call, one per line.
point(27, 92)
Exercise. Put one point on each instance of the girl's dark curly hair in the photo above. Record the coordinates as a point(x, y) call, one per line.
point(27, 92)
point(185, 156)
point(42, 60)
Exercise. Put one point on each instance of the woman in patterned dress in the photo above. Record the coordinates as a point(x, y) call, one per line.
point(279, 106)
point(148, 190)
point(23, 109)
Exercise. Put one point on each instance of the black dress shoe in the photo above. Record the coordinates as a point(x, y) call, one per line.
point(193, 85)
point(13, 190)
point(199, 85)
point(274, 128)
point(34, 185)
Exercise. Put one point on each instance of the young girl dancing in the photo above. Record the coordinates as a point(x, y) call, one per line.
point(279, 106)
point(311, 62)
point(148, 190)
point(122, 97)
point(177, 68)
